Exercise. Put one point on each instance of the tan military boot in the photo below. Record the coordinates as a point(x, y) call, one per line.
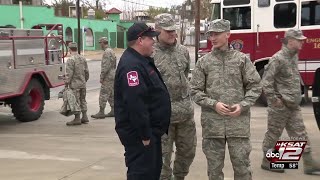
point(76, 121)
point(100, 114)
point(311, 166)
point(111, 113)
point(84, 118)
point(265, 165)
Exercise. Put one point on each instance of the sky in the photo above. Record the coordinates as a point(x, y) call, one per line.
point(125, 5)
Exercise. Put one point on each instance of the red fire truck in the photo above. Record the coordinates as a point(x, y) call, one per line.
point(257, 27)
point(30, 64)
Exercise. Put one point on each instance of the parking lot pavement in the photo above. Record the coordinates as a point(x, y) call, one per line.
point(47, 149)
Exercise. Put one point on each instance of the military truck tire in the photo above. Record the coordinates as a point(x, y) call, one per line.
point(262, 99)
point(29, 106)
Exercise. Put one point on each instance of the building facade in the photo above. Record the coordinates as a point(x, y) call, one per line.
point(93, 29)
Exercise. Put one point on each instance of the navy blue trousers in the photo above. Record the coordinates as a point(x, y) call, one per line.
point(144, 162)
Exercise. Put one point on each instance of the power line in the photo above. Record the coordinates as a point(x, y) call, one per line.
point(142, 4)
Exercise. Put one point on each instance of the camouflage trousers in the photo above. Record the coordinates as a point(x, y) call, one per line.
point(80, 95)
point(106, 95)
point(183, 135)
point(281, 118)
point(239, 149)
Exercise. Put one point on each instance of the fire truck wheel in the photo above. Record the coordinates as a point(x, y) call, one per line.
point(262, 99)
point(29, 106)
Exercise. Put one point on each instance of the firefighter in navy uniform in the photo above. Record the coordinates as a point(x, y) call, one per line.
point(142, 105)
point(316, 96)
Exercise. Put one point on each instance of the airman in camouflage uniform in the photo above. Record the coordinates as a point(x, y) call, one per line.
point(282, 87)
point(108, 66)
point(76, 78)
point(173, 62)
point(225, 84)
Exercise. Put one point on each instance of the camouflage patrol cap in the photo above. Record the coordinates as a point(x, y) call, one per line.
point(165, 21)
point(219, 25)
point(103, 39)
point(294, 33)
point(73, 45)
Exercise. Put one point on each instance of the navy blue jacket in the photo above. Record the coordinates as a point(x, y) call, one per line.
point(141, 99)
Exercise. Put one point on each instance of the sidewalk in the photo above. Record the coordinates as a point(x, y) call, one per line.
point(47, 149)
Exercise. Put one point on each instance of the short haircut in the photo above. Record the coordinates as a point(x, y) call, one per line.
point(73, 49)
point(104, 42)
point(285, 40)
point(131, 43)
point(157, 27)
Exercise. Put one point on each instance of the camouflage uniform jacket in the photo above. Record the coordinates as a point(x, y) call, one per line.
point(231, 78)
point(77, 72)
point(173, 62)
point(282, 79)
point(108, 66)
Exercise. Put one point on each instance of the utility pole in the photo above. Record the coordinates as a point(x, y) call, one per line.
point(78, 18)
point(97, 4)
point(197, 28)
point(183, 9)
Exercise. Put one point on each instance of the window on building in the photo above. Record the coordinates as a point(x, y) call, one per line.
point(310, 13)
point(28, 2)
point(233, 2)
point(285, 15)
point(68, 35)
point(239, 17)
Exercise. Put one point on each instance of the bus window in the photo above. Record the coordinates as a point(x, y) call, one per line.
point(310, 13)
point(215, 11)
point(239, 17)
point(285, 15)
point(233, 2)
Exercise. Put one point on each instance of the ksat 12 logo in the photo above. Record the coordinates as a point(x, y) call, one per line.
point(286, 154)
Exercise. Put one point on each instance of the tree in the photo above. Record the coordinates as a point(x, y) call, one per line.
point(98, 7)
point(205, 9)
point(61, 7)
point(28, 2)
point(153, 12)
point(100, 14)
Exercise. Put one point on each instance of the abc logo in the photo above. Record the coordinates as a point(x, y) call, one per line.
point(272, 155)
